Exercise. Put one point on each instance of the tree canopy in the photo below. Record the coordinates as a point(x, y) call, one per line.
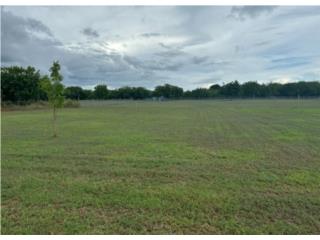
point(53, 87)
point(23, 85)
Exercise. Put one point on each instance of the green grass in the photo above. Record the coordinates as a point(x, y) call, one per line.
point(184, 167)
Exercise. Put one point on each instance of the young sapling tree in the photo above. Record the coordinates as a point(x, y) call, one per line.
point(54, 88)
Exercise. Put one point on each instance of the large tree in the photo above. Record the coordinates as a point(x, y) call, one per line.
point(20, 85)
point(53, 87)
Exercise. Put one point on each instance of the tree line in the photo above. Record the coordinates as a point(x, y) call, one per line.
point(19, 85)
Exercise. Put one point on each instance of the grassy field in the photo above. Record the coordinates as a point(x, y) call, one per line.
point(184, 167)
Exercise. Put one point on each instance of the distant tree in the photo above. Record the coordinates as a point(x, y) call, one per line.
point(274, 89)
point(200, 93)
point(130, 93)
point(305, 89)
point(215, 87)
point(289, 90)
point(101, 92)
point(124, 93)
point(74, 92)
point(168, 91)
point(113, 94)
point(250, 89)
point(264, 90)
point(231, 89)
point(88, 94)
point(187, 94)
point(214, 90)
point(53, 87)
point(140, 93)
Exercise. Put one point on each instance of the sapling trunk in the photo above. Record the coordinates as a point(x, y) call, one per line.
point(54, 122)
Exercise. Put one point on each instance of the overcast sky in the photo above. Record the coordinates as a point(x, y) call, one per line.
point(147, 46)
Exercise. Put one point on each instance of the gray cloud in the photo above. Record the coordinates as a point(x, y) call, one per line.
point(22, 38)
point(243, 12)
point(199, 60)
point(164, 46)
point(262, 43)
point(196, 40)
point(176, 45)
point(22, 29)
point(157, 65)
point(90, 32)
point(149, 35)
point(38, 26)
point(300, 12)
point(289, 62)
point(170, 53)
point(209, 80)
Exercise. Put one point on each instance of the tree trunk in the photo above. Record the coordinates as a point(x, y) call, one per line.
point(54, 122)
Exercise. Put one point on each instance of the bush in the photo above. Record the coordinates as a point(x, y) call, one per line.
point(71, 103)
point(27, 105)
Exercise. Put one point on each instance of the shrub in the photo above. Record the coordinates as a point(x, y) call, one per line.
point(27, 105)
point(71, 103)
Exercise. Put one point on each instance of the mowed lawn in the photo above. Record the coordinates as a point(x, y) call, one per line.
point(183, 167)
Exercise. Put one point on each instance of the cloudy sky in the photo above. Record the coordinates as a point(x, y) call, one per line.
point(148, 46)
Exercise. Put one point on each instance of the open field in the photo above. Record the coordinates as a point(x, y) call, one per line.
point(184, 167)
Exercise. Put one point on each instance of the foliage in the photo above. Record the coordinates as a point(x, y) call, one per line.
point(53, 86)
point(100, 92)
point(19, 85)
point(130, 93)
point(231, 89)
point(168, 91)
point(74, 92)
point(54, 89)
point(199, 93)
point(22, 85)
